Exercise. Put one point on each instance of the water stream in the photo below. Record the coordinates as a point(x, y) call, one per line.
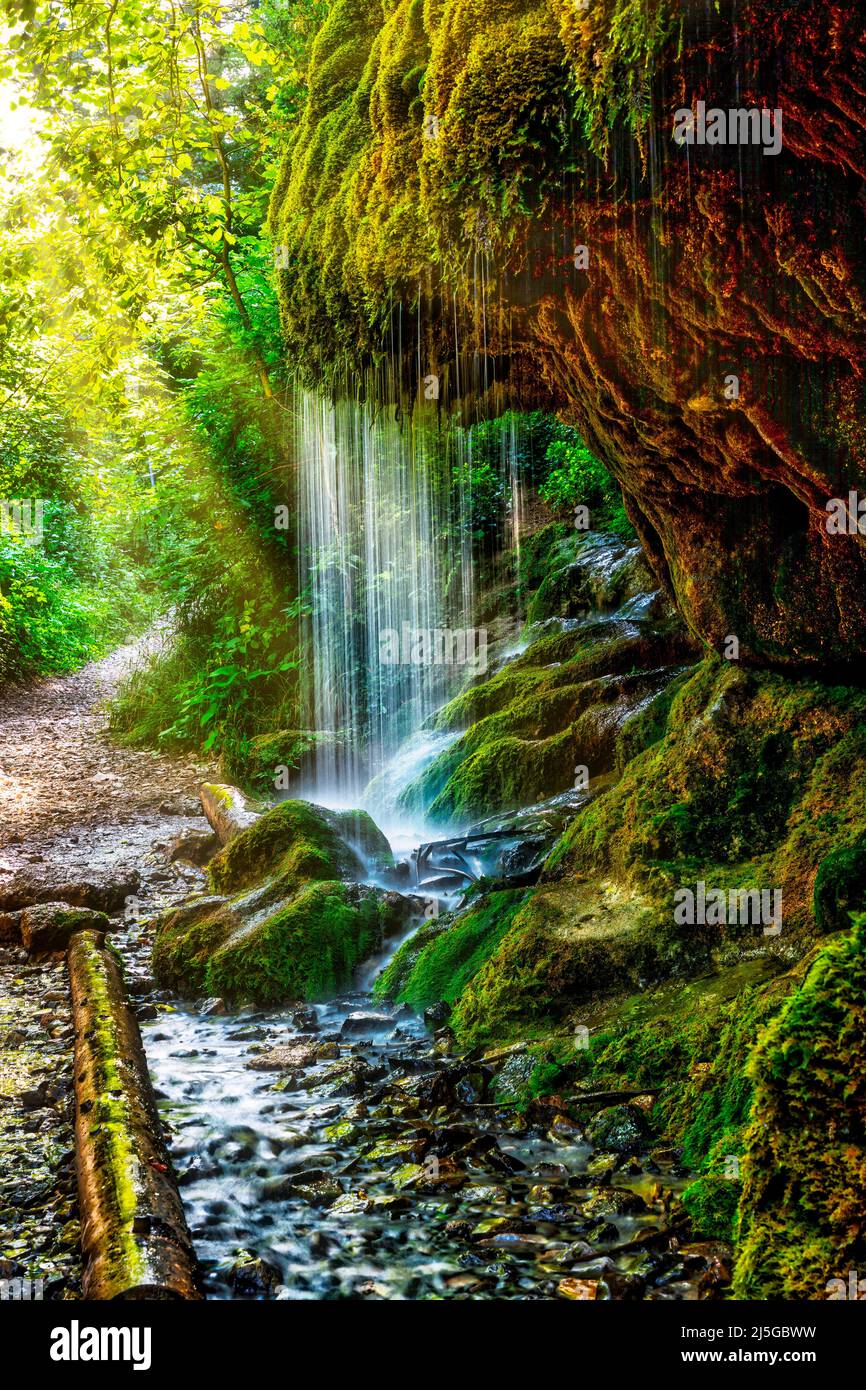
point(386, 560)
point(383, 1167)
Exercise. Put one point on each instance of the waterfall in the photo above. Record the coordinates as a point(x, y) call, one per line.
point(383, 556)
point(386, 550)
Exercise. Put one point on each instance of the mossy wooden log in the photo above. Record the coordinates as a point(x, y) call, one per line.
point(134, 1237)
point(227, 810)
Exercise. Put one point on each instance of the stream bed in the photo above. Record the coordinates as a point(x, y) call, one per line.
point(341, 1150)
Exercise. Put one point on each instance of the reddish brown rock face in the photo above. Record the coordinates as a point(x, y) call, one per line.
point(713, 348)
point(713, 352)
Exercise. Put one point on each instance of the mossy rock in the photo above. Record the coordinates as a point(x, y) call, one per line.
point(529, 728)
point(298, 841)
point(566, 699)
point(185, 940)
point(567, 943)
point(286, 922)
point(620, 1129)
point(305, 948)
point(51, 926)
point(746, 779)
point(588, 573)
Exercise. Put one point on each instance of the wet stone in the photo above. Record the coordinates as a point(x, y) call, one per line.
point(287, 1058)
point(620, 1129)
point(366, 1025)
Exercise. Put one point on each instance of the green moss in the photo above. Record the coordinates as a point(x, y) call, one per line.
point(692, 1043)
point(503, 773)
point(533, 561)
point(649, 724)
point(440, 961)
point(801, 1221)
point(489, 697)
point(111, 1120)
point(299, 841)
point(565, 943)
point(370, 210)
point(531, 723)
point(392, 981)
point(840, 886)
point(186, 938)
point(712, 1203)
point(572, 585)
point(613, 47)
point(563, 700)
point(307, 949)
point(294, 929)
point(753, 780)
point(304, 948)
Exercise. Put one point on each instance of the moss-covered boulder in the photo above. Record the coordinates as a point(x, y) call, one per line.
point(749, 780)
point(586, 573)
point(620, 1129)
point(562, 946)
point(566, 699)
point(287, 919)
point(51, 926)
point(306, 946)
point(746, 781)
point(297, 841)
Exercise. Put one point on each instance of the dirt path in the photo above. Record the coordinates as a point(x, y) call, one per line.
point(76, 811)
point(62, 778)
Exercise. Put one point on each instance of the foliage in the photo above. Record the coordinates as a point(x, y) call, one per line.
point(218, 560)
point(539, 453)
point(575, 477)
point(65, 450)
point(140, 354)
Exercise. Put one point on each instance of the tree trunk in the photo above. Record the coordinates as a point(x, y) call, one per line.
point(134, 1237)
point(227, 811)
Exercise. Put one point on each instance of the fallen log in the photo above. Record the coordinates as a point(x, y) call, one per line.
point(134, 1237)
point(227, 810)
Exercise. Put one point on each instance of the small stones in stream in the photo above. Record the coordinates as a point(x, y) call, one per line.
point(290, 1058)
point(334, 1151)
